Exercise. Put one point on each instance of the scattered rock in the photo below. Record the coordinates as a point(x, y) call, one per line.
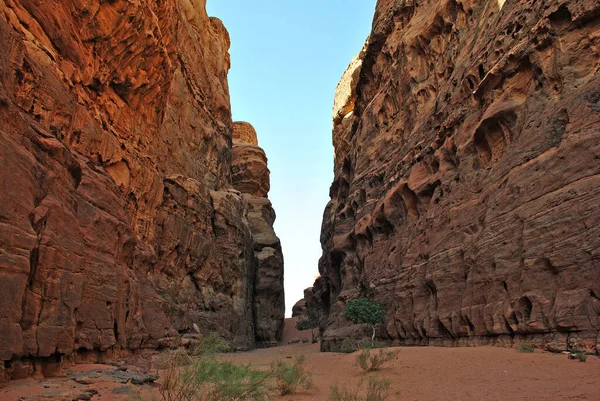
point(86, 381)
point(122, 390)
point(138, 380)
point(86, 396)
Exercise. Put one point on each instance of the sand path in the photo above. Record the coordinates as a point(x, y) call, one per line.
point(418, 374)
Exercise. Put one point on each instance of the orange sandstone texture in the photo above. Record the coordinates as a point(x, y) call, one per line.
point(120, 227)
point(467, 176)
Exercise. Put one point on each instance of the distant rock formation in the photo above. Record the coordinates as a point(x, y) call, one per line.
point(251, 177)
point(467, 176)
point(120, 227)
point(300, 308)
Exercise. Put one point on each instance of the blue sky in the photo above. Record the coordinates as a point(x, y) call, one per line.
point(287, 58)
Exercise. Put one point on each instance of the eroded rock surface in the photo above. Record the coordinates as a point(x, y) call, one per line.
point(467, 176)
point(119, 225)
point(250, 173)
point(305, 304)
point(251, 177)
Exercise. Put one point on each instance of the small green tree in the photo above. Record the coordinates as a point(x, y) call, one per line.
point(309, 322)
point(365, 311)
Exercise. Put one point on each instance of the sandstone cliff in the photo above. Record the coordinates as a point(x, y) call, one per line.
point(251, 177)
point(120, 227)
point(467, 176)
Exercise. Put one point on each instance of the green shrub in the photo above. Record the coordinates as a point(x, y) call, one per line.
point(347, 346)
point(365, 311)
point(210, 345)
point(291, 377)
point(178, 385)
point(209, 380)
point(232, 382)
point(178, 357)
point(581, 356)
point(369, 360)
point(309, 322)
point(525, 348)
point(377, 390)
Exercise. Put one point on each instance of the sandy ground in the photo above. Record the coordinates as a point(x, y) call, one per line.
point(418, 374)
point(447, 374)
point(289, 330)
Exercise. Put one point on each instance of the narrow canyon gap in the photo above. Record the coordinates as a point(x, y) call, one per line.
point(134, 211)
point(132, 208)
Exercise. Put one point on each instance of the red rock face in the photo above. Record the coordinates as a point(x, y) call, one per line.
point(250, 175)
point(119, 225)
point(467, 176)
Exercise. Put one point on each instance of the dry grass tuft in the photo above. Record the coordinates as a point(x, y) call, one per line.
point(377, 390)
point(369, 360)
point(291, 377)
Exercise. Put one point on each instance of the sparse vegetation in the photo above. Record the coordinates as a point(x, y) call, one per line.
point(349, 346)
point(210, 345)
point(365, 311)
point(179, 385)
point(291, 377)
point(376, 390)
point(196, 375)
point(581, 356)
point(232, 382)
point(369, 360)
point(210, 380)
point(367, 343)
point(525, 348)
point(309, 322)
point(178, 357)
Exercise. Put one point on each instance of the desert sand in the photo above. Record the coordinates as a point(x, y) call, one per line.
point(418, 374)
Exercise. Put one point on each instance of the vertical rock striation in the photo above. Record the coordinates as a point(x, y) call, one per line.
point(251, 178)
point(467, 176)
point(120, 228)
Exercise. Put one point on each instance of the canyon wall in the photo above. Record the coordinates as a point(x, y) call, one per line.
point(251, 177)
point(124, 222)
point(467, 176)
